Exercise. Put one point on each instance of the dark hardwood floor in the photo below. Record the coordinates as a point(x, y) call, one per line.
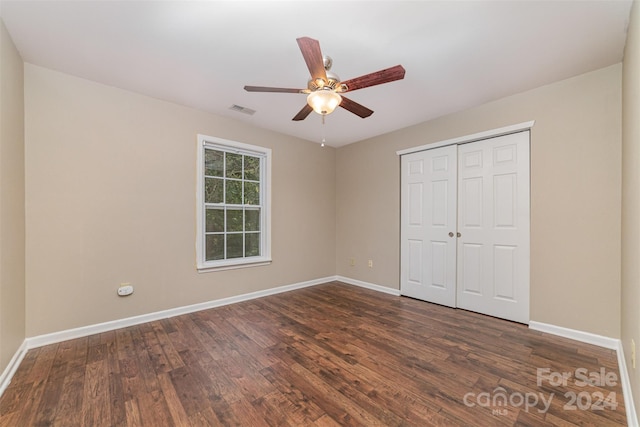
point(328, 355)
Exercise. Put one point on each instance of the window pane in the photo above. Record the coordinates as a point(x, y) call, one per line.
point(234, 165)
point(252, 168)
point(234, 245)
point(215, 247)
point(251, 193)
point(234, 219)
point(213, 190)
point(252, 244)
point(234, 192)
point(252, 220)
point(215, 220)
point(213, 162)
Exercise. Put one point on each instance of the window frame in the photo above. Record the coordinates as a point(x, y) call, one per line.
point(204, 142)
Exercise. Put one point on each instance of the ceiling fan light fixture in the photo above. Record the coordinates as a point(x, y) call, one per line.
point(324, 87)
point(324, 101)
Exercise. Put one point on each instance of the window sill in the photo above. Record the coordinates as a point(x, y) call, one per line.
point(233, 265)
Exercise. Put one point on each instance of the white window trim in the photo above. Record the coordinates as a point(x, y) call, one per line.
point(265, 184)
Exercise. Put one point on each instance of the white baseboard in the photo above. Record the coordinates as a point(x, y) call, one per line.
point(629, 405)
point(55, 337)
point(12, 367)
point(367, 285)
point(586, 337)
point(601, 341)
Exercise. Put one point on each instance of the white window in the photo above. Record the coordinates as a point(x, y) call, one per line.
point(233, 204)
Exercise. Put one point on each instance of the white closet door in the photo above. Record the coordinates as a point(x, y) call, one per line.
point(428, 225)
point(493, 220)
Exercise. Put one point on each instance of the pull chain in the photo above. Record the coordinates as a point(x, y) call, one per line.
point(323, 134)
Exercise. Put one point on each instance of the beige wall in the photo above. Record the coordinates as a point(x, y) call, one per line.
point(575, 197)
point(12, 274)
point(631, 198)
point(110, 198)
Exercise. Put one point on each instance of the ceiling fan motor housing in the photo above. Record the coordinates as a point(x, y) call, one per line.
point(332, 82)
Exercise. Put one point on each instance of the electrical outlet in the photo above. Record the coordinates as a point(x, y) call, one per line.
point(352, 262)
point(125, 289)
point(370, 264)
point(633, 354)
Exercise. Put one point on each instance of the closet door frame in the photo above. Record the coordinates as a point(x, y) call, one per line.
point(525, 126)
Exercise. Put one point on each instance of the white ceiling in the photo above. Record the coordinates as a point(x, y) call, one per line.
point(457, 54)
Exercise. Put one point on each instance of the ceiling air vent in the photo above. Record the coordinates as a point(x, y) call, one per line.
point(241, 109)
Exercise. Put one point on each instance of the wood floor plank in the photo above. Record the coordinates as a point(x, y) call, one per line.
point(70, 404)
point(95, 398)
point(12, 405)
point(27, 411)
point(162, 338)
point(133, 413)
point(49, 403)
point(357, 378)
point(174, 401)
point(325, 355)
point(270, 408)
point(206, 418)
point(154, 410)
point(191, 396)
point(304, 409)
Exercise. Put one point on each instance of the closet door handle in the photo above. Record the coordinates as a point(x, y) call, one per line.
point(458, 235)
point(451, 234)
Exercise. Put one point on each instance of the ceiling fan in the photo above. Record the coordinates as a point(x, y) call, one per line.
point(324, 88)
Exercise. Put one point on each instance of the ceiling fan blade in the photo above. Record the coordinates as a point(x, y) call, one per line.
point(383, 76)
point(355, 108)
point(272, 89)
point(302, 114)
point(312, 54)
